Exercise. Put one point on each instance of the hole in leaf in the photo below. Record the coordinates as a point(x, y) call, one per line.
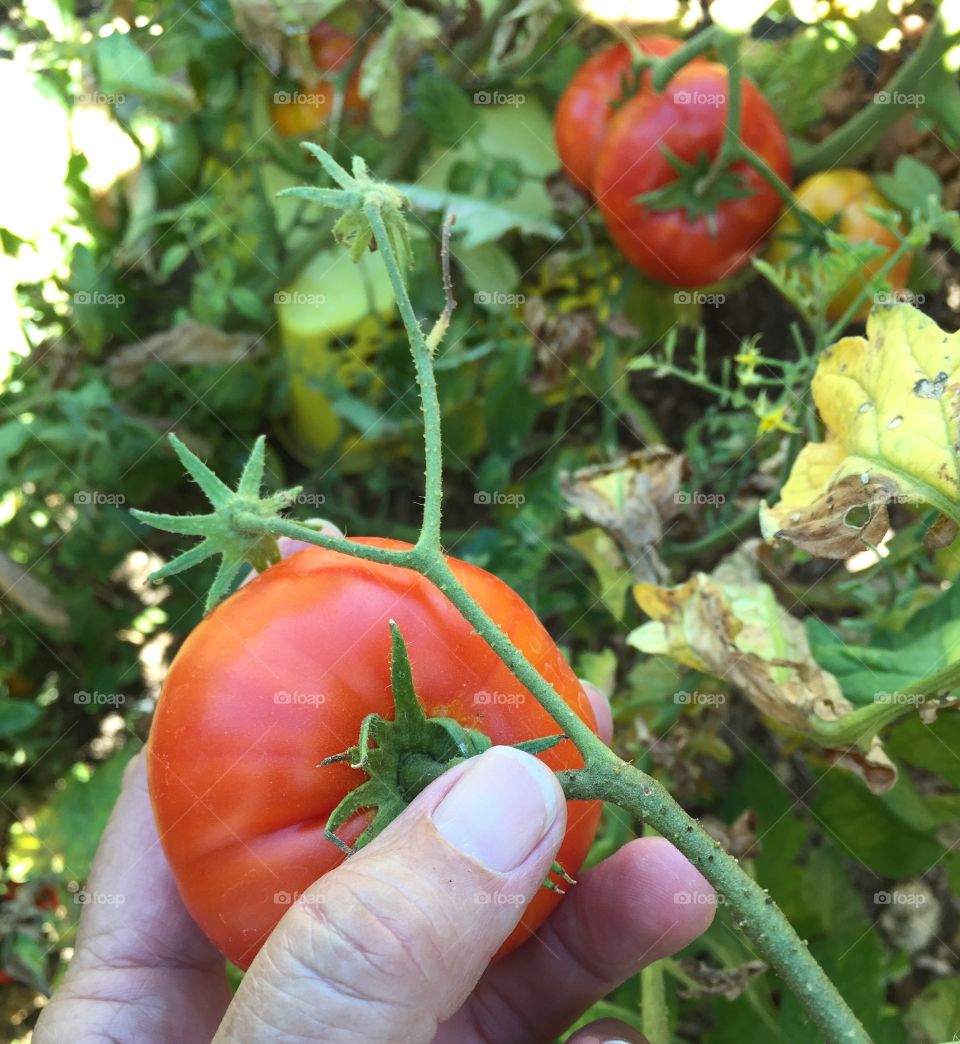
point(857, 516)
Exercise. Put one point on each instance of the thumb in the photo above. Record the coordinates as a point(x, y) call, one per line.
point(393, 941)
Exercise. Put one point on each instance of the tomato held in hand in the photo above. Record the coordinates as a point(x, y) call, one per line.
point(587, 105)
point(684, 245)
point(840, 198)
point(279, 677)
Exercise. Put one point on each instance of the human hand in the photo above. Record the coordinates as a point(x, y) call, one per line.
point(393, 945)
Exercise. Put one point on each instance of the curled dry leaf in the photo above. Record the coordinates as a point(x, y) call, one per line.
point(738, 838)
point(891, 406)
point(560, 340)
point(189, 344)
point(277, 31)
point(631, 499)
point(31, 595)
point(731, 625)
point(710, 981)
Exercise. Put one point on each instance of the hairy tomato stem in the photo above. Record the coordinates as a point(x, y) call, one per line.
point(757, 914)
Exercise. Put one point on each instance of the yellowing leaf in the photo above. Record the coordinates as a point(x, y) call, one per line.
point(890, 403)
point(730, 624)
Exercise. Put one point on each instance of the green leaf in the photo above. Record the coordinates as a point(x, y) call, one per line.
point(867, 829)
point(890, 661)
point(934, 1014)
point(505, 178)
point(463, 175)
point(601, 551)
point(487, 269)
point(126, 69)
point(444, 110)
point(911, 184)
point(16, 716)
point(931, 747)
point(480, 220)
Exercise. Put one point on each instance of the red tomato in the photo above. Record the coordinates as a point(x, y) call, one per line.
point(332, 50)
point(587, 105)
point(280, 677)
point(298, 113)
point(688, 119)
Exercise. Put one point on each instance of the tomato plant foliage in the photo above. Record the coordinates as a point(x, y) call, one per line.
point(666, 416)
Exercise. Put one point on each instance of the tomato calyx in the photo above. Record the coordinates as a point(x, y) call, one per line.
point(696, 189)
point(403, 755)
point(223, 531)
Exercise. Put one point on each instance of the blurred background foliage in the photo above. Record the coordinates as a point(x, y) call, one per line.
point(150, 282)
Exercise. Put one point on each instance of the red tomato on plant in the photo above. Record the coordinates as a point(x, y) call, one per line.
point(332, 49)
point(681, 246)
point(279, 677)
point(298, 113)
point(587, 105)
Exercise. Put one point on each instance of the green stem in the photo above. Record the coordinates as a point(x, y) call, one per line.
point(857, 303)
point(717, 537)
point(653, 1004)
point(604, 775)
point(756, 913)
point(429, 401)
point(653, 996)
point(731, 147)
point(858, 136)
point(664, 69)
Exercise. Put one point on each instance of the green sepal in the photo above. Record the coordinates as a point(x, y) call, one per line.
point(401, 756)
point(221, 531)
point(685, 192)
point(538, 746)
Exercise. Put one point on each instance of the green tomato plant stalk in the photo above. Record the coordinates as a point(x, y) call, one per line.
point(243, 527)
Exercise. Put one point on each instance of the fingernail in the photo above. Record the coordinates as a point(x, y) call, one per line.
point(500, 809)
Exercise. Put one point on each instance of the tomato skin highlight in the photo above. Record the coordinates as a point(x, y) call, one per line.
point(280, 676)
point(586, 105)
point(840, 198)
point(689, 119)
